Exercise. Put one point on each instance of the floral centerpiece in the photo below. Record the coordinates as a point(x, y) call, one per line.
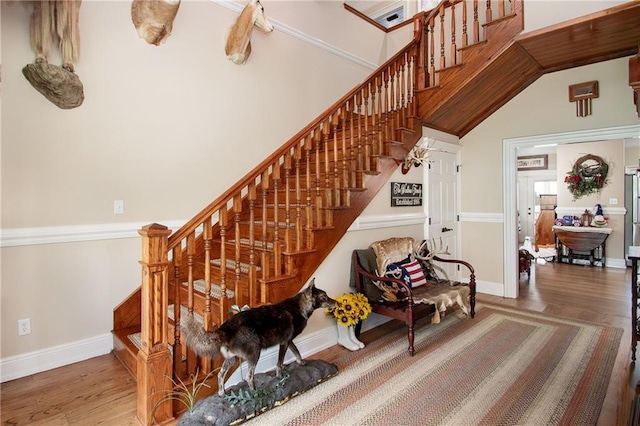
point(352, 308)
point(588, 176)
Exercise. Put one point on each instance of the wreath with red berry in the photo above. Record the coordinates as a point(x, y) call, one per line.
point(588, 176)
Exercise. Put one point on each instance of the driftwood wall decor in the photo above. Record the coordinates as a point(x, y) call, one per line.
point(238, 43)
point(153, 19)
point(51, 20)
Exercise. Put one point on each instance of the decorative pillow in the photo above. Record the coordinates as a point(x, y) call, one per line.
point(409, 272)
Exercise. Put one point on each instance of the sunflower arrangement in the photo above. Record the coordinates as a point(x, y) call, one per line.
point(352, 308)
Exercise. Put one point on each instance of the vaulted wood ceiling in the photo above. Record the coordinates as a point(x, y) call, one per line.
point(601, 36)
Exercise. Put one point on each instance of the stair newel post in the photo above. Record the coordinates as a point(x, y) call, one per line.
point(154, 366)
point(364, 112)
point(253, 278)
point(420, 32)
point(357, 110)
point(403, 70)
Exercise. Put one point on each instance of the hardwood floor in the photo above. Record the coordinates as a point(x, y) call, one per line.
point(99, 391)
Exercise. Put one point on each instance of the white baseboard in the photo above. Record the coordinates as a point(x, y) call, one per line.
point(22, 365)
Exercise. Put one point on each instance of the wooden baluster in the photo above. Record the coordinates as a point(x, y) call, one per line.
point(336, 186)
point(275, 173)
point(154, 370)
point(265, 261)
point(253, 278)
point(432, 54)
point(356, 170)
point(192, 359)
point(476, 22)
point(443, 62)
point(237, 210)
point(328, 188)
point(379, 129)
point(489, 14)
point(224, 305)
point(299, 243)
point(207, 235)
point(501, 9)
point(362, 159)
point(465, 35)
point(396, 97)
point(453, 46)
point(319, 203)
point(364, 113)
point(308, 146)
point(346, 160)
point(403, 89)
point(178, 366)
point(287, 201)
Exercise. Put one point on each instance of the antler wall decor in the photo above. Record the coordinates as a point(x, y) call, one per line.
point(418, 155)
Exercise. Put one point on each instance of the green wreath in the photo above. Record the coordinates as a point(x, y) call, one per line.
point(588, 176)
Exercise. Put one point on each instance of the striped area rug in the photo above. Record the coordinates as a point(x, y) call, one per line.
point(504, 367)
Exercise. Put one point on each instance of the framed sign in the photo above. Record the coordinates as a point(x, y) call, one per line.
point(533, 162)
point(405, 194)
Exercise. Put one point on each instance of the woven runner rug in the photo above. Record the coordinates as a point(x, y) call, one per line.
point(504, 367)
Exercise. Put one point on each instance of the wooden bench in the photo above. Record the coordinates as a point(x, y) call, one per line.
point(413, 303)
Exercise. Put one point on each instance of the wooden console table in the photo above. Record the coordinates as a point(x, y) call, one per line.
point(581, 242)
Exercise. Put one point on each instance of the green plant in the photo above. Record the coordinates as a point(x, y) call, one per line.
point(183, 393)
point(260, 397)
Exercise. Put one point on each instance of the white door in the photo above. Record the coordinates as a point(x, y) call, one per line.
point(442, 205)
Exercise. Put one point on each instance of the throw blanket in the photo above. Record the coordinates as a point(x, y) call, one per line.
point(441, 294)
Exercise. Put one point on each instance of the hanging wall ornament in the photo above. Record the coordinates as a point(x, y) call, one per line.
point(53, 19)
point(583, 94)
point(153, 19)
point(588, 176)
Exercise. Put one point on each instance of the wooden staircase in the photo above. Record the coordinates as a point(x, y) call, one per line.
point(262, 239)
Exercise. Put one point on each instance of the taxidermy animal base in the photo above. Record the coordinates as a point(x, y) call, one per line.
point(153, 19)
point(246, 333)
point(238, 43)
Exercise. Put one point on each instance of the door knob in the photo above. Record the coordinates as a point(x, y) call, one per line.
point(445, 229)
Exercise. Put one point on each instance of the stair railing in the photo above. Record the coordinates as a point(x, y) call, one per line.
point(454, 25)
point(252, 231)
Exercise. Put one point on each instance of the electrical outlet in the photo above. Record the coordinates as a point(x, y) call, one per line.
point(118, 207)
point(24, 327)
point(613, 201)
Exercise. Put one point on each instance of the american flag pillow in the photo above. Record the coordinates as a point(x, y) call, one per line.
point(415, 273)
point(410, 272)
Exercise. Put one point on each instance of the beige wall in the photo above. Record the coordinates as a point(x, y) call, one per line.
point(543, 108)
point(159, 125)
point(166, 129)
